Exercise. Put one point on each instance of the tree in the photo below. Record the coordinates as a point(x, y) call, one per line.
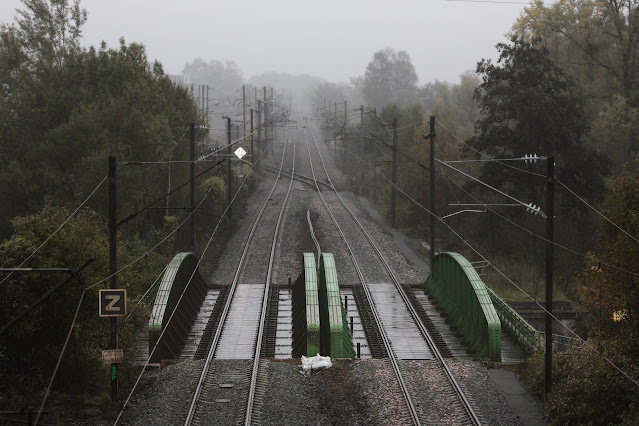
point(530, 106)
point(597, 41)
point(224, 78)
point(390, 78)
point(49, 31)
point(610, 295)
point(29, 350)
point(583, 379)
point(64, 109)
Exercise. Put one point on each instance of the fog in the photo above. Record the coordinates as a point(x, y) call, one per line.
point(331, 39)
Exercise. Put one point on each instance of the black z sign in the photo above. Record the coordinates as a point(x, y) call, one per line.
point(113, 303)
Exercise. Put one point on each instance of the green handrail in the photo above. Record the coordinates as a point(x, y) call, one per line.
point(335, 337)
point(528, 338)
point(458, 290)
point(148, 295)
point(312, 306)
point(180, 272)
point(305, 311)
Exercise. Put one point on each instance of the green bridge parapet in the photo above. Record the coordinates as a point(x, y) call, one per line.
point(460, 292)
point(306, 314)
point(528, 338)
point(177, 275)
point(335, 337)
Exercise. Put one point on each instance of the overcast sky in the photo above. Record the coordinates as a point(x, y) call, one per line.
point(334, 39)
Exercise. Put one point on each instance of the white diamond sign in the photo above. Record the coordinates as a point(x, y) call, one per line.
point(240, 153)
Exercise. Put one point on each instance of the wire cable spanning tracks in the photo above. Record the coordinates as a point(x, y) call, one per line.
point(192, 414)
point(393, 359)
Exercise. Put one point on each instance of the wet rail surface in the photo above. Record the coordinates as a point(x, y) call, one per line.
point(242, 323)
point(387, 327)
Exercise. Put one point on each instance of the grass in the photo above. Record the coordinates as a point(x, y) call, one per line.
point(534, 287)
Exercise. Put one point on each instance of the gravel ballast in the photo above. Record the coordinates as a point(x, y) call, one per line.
point(352, 392)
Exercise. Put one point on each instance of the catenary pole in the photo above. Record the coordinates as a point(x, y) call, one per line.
point(113, 267)
point(272, 106)
point(260, 142)
point(550, 178)
point(374, 156)
point(394, 174)
point(344, 135)
point(361, 148)
point(192, 190)
point(229, 177)
point(252, 152)
point(432, 191)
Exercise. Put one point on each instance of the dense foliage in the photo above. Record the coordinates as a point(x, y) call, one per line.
point(596, 42)
point(64, 109)
point(30, 349)
point(529, 106)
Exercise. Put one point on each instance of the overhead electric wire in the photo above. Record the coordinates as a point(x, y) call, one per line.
point(129, 265)
point(185, 288)
point(374, 138)
point(100, 282)
point(272, 121)
point(157, 200)
point(152, 248)
point(538, 174)
point(142, 163)
point(596, 211)
point(487, 185)
point(486, 155)
point(59, 227)
point(508, 279)
point(585, 256)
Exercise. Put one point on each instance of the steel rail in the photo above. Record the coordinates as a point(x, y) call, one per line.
point(258, 344)
point(429, 340)
point(304, 179)
point(227, 305)
point(394, 362)
point(317, 245)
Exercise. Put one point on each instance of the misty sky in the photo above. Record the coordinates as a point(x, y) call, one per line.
point(334, 39)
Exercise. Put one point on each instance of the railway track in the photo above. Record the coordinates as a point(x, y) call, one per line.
point(414, 414)
point(232, 338)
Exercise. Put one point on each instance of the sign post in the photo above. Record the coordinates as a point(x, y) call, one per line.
point(240, 153)
point(113, 303)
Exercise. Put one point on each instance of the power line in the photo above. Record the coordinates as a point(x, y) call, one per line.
point(374, 138)
point(511, 281)
point(596, 211)
point(59, 227)
point(133, 215)
point(488, 186)
point(585, 256)
point(537, 174)
point(184, 291)
point(486, 155)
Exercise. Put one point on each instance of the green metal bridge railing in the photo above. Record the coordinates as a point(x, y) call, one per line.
point(173, 283)
point(306, 313)
point(335, 336)
point(528, 338)
point(458, 290)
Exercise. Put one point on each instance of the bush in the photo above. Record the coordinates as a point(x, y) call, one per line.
point(586, 389)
